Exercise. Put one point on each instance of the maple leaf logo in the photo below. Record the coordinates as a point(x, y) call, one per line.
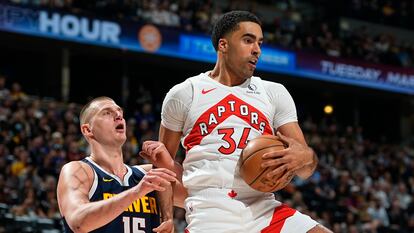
point(232, 194)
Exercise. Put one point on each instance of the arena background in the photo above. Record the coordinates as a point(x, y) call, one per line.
point(370, 130)
point(37, 65)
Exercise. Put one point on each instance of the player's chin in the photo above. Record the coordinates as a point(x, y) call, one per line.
point(248, 75)
point(121, 138)
point(249, 72)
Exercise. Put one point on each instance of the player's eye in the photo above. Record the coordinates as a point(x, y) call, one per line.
point(248, 40)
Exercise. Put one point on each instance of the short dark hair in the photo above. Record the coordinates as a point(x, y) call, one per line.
point(229, 22)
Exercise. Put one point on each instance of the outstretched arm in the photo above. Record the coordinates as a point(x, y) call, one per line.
point(166, 206)
point(75, 181)
point(171, 140)
point(162, 154)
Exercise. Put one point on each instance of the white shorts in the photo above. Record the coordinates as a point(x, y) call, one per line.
point(222, 211)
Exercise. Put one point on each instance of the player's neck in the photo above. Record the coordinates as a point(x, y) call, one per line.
point(110, 159)
point(224, 76)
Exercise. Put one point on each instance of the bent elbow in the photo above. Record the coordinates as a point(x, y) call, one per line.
point(76, 224)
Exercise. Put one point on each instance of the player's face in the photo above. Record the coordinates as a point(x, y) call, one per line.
point(108, 123)
point(244, 49)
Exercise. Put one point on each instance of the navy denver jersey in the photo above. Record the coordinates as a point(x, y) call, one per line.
point(142, 215)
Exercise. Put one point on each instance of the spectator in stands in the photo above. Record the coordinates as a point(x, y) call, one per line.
point(17, 93)
point(4, 92)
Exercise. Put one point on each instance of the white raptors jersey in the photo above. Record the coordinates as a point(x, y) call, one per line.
point(219, 123)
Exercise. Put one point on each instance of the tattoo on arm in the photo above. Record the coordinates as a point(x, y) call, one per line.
point(77, 181)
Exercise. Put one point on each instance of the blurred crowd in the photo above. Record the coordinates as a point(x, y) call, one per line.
point(302, 25)
point(360, 185)
point(395, 13)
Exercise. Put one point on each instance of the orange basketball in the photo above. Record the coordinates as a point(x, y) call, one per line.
point(251, 159)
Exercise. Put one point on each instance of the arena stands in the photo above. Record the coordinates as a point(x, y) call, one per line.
point(295, 25)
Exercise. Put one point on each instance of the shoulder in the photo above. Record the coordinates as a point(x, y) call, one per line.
point(272, 89)
point(182, 89)
point(78, 169)
point(185, 88)
point(271, 86)
point(181, 86)
point(75, 176)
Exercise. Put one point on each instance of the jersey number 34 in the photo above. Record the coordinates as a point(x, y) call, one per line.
point(231, 143)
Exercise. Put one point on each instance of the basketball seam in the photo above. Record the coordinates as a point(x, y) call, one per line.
point(273, 139)
point(258, 151)
point(257, 177)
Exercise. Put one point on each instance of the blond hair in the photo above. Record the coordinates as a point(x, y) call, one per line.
point(87, 110)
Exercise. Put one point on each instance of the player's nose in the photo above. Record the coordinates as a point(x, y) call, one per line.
point(118, 115)
point(256, 50)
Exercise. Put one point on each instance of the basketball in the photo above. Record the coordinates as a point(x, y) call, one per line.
point(251, 159)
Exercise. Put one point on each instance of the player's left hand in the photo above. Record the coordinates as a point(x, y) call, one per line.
point(165, 227)
point(289, 160)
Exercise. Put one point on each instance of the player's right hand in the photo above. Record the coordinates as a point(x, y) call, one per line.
point(157, 154)
point(165, 227)
point(156, 179)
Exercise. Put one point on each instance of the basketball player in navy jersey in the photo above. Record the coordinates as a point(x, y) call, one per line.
point(214, 114)
point(101, 193)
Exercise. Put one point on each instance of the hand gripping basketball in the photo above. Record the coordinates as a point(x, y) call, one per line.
point(250, 164)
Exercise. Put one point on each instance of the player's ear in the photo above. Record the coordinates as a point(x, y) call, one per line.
point(222, 45)
point(86, 130)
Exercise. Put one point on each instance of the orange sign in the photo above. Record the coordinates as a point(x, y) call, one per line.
point(150, 38)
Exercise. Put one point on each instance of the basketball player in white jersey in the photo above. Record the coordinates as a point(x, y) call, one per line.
point(214, 114)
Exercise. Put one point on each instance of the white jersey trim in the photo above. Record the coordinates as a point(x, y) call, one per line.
point(141, 169)
point(94, 184)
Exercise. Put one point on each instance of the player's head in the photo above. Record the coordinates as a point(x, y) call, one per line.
point(229, 22)
point(102, 119)
point(237, 37)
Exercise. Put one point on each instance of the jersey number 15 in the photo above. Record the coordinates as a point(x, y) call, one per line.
point(138, 225)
